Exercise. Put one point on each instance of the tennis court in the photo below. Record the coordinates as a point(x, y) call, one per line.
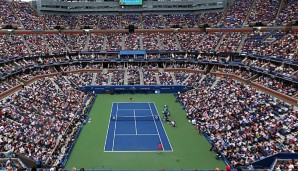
point(135, 127)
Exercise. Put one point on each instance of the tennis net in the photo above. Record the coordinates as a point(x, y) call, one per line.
point(135, 118)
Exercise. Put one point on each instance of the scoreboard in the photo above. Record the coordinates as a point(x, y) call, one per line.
point(131, 2)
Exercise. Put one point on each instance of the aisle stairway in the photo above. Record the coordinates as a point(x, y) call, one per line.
point(125, 76)
point(94, 78)
point(220, 41)
point(203, 77)
point(215, 82)
point(141, 42)
point(64, 43)
point(157, 79)
point(242, 42)
point(173, 77)
point(105, 39)
point(26, 44)
point(87, 42)
point(186, 80)
point(56, 86)
point(177, 41)
point(110, 78)
point(159, 44)
point(141, 76)
point(123, 42)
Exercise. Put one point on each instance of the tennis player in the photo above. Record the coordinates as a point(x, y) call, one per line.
point(130, 99)
point(159, 148)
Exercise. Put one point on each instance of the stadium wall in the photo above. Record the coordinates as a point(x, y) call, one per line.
point(122, 89)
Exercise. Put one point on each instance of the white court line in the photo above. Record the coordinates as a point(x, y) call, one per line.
point(164, 130)
point(134, 134)
point(136, 151)
point(115, 129)
point(156, 128)
point(108, 127)
point(134, 114)
point(134, 109)
point(134, 102)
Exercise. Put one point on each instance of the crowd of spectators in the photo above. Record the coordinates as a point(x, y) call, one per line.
point(12, 82)
point(236, 14)
point(117, 77)
point(286, 164)
point(29, 74)
point(152, 21)
point(191, 20)
point(55, 43)
point(230, 42)
point(209, 80)
point(286, 70)
point(234, 70)
point(37, 44)
point(132, 19)
point(80, 79)
point(28, 16)
point(88, 20)
point(71, 67)
point(194, 79)
point(114, 41)
point(96, 42)
point(132, 41)
point(282, 46)
point(63, 21)
point(102, 78)
point(243, 124)
point(75, 42)
point(168, 41)
point(149, 76)
point(35, 118)
point(212, 19)
point(288, 12)
point(7, 15)
point(272, 67)
point(133, 75)
point(172, 20)
point(264, 11)
point(182, 77)
point(22, 14)
point(150, 41)
point(11, 164)
point(254, 42)
point(277, 85)
point(165, 78)
point(285, 48)
point(109, 22)
point(189, 40)
point(257, 63)
point(210, 42)
point(3, 87)
point(62, 83)
point(12, 46)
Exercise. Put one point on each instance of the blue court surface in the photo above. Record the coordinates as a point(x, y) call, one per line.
point(135, 127)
